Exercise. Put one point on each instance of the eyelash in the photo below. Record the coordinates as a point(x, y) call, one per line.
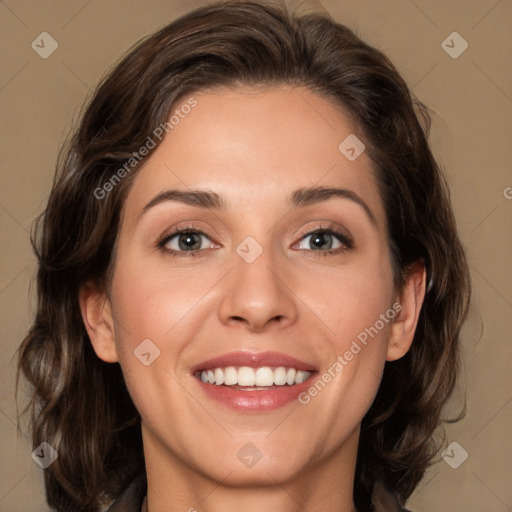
point(346, 241)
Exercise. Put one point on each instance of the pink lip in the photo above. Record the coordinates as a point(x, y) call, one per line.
point(253, 401)
point(253, 360)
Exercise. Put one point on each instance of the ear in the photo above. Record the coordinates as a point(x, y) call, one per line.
point(97, 317)
point(411, 299)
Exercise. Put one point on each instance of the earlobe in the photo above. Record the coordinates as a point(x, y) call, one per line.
point(411, 299)
point(97, 316)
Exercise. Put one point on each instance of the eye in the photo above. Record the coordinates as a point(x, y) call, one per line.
point(327, 240)
point(192, 241)
point(186, 240)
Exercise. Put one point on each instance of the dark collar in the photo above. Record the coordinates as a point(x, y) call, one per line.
point(132, 498)
point(385, 501)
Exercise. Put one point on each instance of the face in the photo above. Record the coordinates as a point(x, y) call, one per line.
point(253, 255)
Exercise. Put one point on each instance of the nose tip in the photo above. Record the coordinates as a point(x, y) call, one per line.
point(256, 298)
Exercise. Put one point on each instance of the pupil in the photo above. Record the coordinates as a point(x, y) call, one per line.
point(187, 241)
point(322, 240)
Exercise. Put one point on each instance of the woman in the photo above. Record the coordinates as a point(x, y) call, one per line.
point(250, 285)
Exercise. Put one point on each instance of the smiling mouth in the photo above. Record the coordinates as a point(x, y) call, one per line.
point(245, 378)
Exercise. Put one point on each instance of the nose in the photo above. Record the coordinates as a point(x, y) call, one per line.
point(257, 296)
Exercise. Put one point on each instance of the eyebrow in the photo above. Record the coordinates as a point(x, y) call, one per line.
point(301, 197)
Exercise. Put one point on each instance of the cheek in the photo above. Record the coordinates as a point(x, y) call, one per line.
point(363, 328)
point(355, 308)
point(155, 318)
point(348, 299)
point(163, 304)
point(152, 299)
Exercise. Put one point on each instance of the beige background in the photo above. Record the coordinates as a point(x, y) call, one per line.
point(471, 97)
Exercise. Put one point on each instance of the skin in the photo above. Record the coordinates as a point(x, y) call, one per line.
point(253, 148)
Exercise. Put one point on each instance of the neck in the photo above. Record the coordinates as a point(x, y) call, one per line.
point(175, 486)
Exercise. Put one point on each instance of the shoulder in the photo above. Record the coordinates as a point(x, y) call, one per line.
point(132, 497)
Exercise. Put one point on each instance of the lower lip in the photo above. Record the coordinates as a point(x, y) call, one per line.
point(256, 400)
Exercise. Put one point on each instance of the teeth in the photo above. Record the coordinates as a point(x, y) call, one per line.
point(219, 376)
point(246, 376)
point(264, 376)
point(259, 377)
point(280, 376)
point(300, 376)
point(230, 376)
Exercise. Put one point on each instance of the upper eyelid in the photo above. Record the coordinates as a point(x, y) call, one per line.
point(334, 227)
point(180, 231)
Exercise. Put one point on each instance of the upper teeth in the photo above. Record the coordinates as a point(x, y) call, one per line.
point(247, 376)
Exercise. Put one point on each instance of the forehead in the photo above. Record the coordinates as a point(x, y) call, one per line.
point(254, 145)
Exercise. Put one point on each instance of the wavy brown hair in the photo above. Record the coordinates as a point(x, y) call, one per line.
point(79, 404)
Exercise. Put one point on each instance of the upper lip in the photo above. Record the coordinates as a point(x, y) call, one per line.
point(253, 360)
